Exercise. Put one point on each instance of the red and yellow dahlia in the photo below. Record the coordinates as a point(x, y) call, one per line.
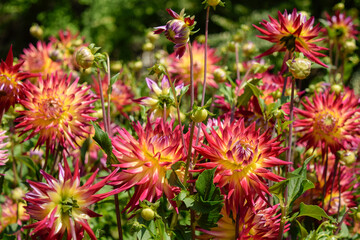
point(12, 212)
point(341, 27)
point(292, 33)
point(57, 110)
point(11, 85)
point(328, 121)
point(180, 68)
point(37, 59)
point(61, 205)
point(242, 157)
point(259, 223)
point(146, 160)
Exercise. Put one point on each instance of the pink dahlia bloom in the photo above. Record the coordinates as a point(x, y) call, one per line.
point(61, 205)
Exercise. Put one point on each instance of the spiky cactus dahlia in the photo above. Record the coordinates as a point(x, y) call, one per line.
point(146, 160)
point(37, 59)
point(292, 32)
point(180, 69)
point(242, 156)
point(11, 85)
point(57, 110)
point(3, 153)
point(12, 212)
point(260, 223)
point(328, 121)
point(341, 27)
point(61, 205)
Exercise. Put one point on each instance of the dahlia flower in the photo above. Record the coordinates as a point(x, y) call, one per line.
point(37, 60)
point(12, 212)
point(3, 153)
point(341, 27)
point(121, 95)
point(11, 85)
point(328, 121)
point(177, 31)
point(262, 222)
point(61, 205)
point(146, 160)
point(161, 98)
point(57, 110)
point(180, 69)
point(292, 33)
point(242, 156)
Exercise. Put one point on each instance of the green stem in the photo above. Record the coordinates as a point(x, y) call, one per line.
point(188, 159)
point(325, 175)
point(108, 93)
point(102, 101)
point(191, 76)
point(118, 218)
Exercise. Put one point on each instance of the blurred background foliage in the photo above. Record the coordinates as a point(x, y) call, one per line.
point(119, 26)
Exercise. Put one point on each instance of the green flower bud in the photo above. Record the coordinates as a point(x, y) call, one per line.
point(357, 216)
point(231, 46)
point(248, 49)
point(152, 37)
point(201, 38)
point(115, 66)
point(350, 46)
point(84, 57)
point(213, 3)
point(348, 157)
point(336, 88)
point(138, 65)
point(56, 55)
point(148, 47)
point(17, 194)
point(219, 75)
point(147, 214)
point(300, 68)
point(36, 31)
point(312, 177)
point(339, 6)
point(199, 115)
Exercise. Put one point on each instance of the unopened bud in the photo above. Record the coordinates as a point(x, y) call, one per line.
point(336, 88)
point(213, 3)
point(312, 177)
point(350, 46)
point(231, 46)
point(36, 31)
point(348, 157)
point(200, 38)
point(84, 57)
point(219, 75)
point(148, 47)
point(56, 55)
point(138, 65)
point(339, 6)
point(248, 48)
point(300, 68)
point(17, 194)
point(147, 214)
point(152, 37)
point(199, 115)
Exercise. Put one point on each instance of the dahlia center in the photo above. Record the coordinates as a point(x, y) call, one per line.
point(6, 79)
point(243, 157)
point(289, 42)
point(68, 204)
point(53, 108)
point(327, 123)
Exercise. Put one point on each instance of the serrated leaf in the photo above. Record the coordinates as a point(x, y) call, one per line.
point(313, 211)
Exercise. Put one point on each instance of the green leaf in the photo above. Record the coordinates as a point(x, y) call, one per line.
point(113, 80)
point(313, 211)
point(303, 231)
point(249, 90)
point(12, 228)
point(103, 140)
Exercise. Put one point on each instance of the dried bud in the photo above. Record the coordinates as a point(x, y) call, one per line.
point(36, 31)
point(219, 75)
point(300, 68)
point(199, 115)
point(147, 214)
point(84, 57)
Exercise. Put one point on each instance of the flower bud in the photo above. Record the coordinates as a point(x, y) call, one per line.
point(36, 31)
point(201, 38)
point(339, 6)
point(312, 177)
point(213, 3)
point(350, 46)
point(115, 66)
point(147, 214)
point(152, 37)
point(336, 88)
point(347, 157)
point(56, 55)
point(138, 65)
point(199, 115)
point(219, 75)
point(300, 68)
point(84, 57)
point(17, 194)
point(148, 47)
point(231, 46)
point(248, 49)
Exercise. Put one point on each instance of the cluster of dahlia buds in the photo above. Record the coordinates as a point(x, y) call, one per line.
point(178, 30)
point(299, 67)
point(87, 56)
